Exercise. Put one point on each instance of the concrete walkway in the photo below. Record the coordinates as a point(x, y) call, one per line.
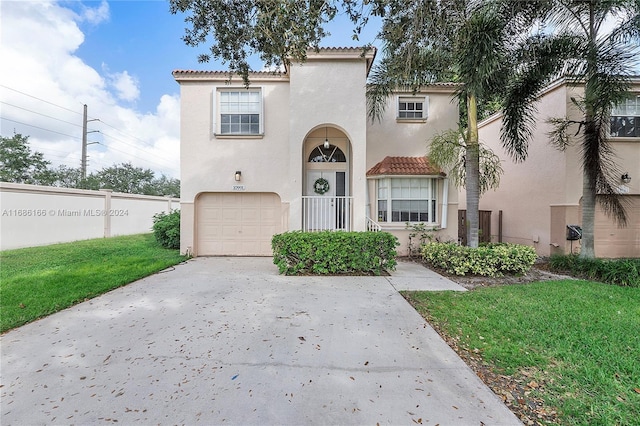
point(229, 341)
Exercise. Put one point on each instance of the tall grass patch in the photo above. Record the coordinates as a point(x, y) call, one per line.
point(583, 339)
point(38, 281)
point(623, 272)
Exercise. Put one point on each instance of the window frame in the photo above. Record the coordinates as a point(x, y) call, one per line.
point(424, 99)
point(385, 215)
point(620, 116)
point(218, 113)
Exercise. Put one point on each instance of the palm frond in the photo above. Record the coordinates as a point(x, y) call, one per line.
point(541, 58)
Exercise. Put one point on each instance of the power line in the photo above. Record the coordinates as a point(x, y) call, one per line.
point(39, 113)
point(146, 144)
point(150, 144)
point(134, 146)
point(35, 97)
point(143, 159)
point(37, 127)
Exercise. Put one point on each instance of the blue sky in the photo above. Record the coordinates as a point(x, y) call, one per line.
point(114, 56)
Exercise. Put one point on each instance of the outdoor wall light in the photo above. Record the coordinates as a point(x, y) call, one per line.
point(326, 138)
point(238, 175)
point(626, 178)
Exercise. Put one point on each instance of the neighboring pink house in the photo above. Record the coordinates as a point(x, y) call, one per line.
point(540, 197)
point(297, 151)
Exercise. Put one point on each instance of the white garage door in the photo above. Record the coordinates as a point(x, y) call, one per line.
point(237, 224)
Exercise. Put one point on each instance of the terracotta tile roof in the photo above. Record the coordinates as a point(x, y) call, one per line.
point(411, 166)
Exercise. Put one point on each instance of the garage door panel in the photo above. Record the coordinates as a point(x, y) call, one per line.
point(237, 223)
point(614, 241)
point(250, 214)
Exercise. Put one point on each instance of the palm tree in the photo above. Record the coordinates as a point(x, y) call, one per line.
point(579, 45)
point(465, 41)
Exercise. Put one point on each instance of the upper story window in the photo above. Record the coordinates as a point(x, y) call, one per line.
point(413, 107)
point(240, 112)
point(625, 119)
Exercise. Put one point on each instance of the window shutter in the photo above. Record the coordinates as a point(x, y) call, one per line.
point(425, 108)
point(214, 111)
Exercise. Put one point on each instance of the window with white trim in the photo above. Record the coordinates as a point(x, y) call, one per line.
point(625, 119)
point(410, 199)
point(240, 111)
point(413, 107)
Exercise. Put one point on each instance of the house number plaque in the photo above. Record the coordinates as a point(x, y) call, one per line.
point(238, 187)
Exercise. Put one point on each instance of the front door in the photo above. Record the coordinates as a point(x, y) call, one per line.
point(321, 207)
point(326, 208)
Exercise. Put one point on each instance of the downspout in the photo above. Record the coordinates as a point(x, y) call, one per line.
point(445, 203)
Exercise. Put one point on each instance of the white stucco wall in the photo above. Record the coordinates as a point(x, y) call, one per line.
point(33, 215)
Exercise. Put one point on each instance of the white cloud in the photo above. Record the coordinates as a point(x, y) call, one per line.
point(96, 15)
point(126, 86)
point(44, 85)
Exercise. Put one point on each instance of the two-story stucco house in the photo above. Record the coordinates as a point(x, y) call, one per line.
point(297, 151)
point(538, 198)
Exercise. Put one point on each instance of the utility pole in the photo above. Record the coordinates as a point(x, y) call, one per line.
point(83, 162)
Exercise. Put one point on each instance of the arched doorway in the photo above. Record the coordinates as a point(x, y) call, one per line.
point(326, 199)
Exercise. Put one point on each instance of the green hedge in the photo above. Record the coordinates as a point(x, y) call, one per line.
point(334, 252)
point(622, 272)
point(493, 260)
point(166, 229)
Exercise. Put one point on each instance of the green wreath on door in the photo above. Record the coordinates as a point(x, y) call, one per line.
point(321, 186)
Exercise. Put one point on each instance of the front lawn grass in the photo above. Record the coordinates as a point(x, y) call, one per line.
point(38, 281)
point(581, 338)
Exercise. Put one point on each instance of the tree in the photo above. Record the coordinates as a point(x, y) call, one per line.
point(449, 149)
point(19, 164)
point(125, 178)
point(277, 30)
point(603, 60)
point(469, 42)
point(68, 177)
point(165, 186)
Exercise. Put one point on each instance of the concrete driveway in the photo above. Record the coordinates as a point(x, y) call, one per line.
point(229, 341)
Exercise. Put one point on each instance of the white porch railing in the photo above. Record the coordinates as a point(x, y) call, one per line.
point(372, 225)
point(327, 213)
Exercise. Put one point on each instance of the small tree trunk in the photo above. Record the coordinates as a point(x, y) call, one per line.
point(587, 250)
point(590, 149)
point(472, 171)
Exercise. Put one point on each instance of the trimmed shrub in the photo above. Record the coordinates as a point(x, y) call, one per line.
point(493, 259)
point(621, 272)
point(334, 252)
point(166, 229)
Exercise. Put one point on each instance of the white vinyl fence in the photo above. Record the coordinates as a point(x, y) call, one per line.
point(33, 215)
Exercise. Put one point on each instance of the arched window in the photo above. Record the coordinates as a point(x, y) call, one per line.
point(333, 154)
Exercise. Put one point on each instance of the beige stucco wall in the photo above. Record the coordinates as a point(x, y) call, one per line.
point(328, 91)
point(403, 138)
point(208, 162)
point(32, 215)
point(541, 195)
